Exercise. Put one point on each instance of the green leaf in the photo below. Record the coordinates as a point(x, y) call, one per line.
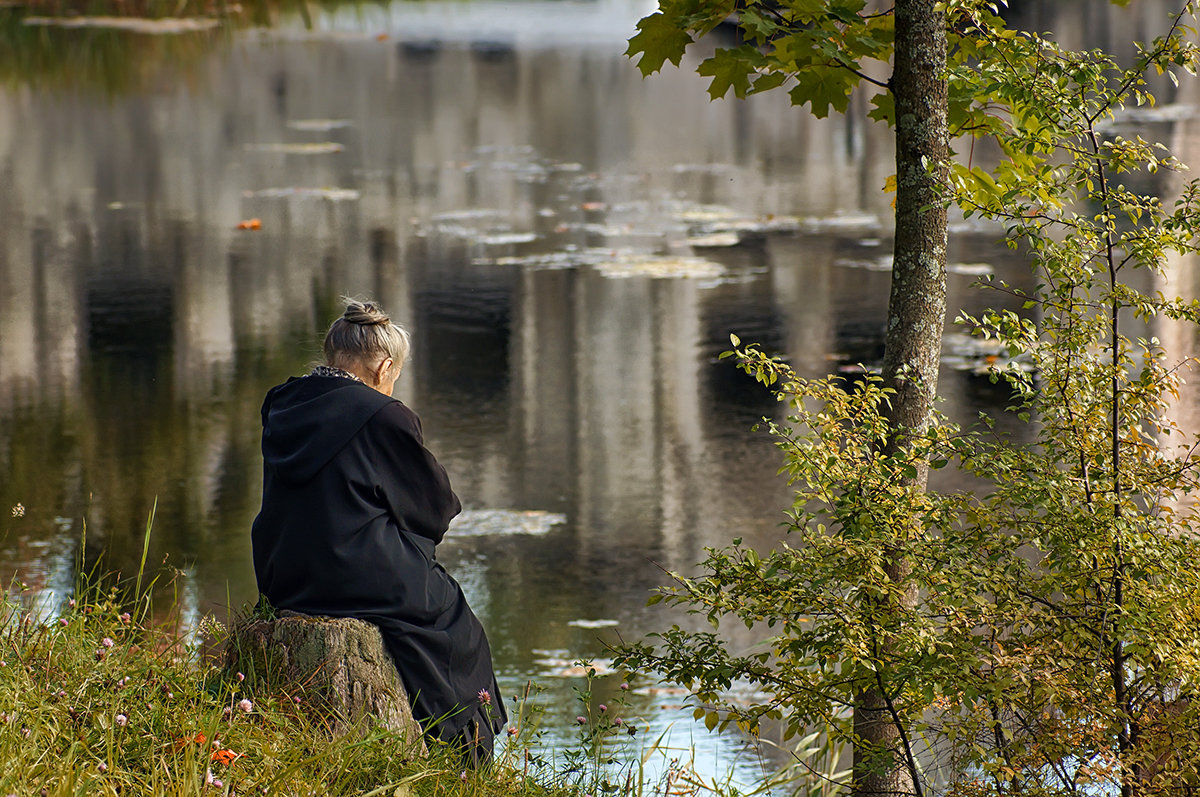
point(730, 69)
point(658, 40)
point(823, 89)
point(768, 81)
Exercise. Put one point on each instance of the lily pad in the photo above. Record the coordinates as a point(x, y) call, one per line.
point(311, 148)
point(467, 215)
point(158, 27)
point(571, 258)
point(845, 223)
point(563, 668)
point(318, 125)
point(497, 522)
point(970, 269)
point(1172, 112)
point(714, 240)
point(658, 267)
point(981, 356)
point(882, 263)
point(332, 194)
point(505, 238)
point(592, 623)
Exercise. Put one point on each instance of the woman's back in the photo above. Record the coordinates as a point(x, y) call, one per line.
point(353, 506)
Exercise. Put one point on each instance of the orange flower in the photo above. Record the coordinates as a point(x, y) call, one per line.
point(183, 742)
point(224, 756)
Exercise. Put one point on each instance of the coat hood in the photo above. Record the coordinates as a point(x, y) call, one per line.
point(308, 420)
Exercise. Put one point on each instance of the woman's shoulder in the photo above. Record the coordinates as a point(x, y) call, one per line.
point(398, 415)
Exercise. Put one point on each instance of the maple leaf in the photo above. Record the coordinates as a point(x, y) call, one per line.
point(658, 40)
point(730, 68)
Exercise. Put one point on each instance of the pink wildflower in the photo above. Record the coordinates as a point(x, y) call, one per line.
point(485, 697)
point(245, 705)
point(240, 677)
point(581, 720)
point(121, 720)
point(103, 767)
point(107, 642)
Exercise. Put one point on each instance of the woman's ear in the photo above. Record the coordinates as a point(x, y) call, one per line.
point(383, 371)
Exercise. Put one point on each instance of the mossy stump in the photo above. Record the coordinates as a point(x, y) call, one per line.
point(337, 666)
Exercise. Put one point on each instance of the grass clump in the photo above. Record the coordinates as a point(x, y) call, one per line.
point(97, 699)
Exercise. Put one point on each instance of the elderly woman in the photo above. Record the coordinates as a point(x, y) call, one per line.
point(353, 506)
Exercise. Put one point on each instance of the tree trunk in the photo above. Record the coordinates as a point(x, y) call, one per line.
point(916, 316)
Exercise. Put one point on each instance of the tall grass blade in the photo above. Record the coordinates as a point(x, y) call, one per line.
point(145, 549)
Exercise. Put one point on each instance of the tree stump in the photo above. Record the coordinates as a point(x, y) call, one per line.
point(337, 666)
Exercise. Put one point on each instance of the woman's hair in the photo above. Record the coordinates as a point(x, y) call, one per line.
point(364, 335)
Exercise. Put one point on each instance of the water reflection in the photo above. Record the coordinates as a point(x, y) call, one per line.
point(477, 185)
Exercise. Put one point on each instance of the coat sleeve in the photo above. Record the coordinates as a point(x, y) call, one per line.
point(414, 486)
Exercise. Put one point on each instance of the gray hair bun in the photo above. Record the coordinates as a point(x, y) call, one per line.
point(365, 313)
point(364, 335)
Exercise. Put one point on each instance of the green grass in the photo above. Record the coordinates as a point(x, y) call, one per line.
point(97, 700)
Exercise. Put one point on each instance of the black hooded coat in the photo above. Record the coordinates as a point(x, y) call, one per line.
point(353, 505)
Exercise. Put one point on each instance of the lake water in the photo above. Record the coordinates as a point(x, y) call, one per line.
point(570, 245)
